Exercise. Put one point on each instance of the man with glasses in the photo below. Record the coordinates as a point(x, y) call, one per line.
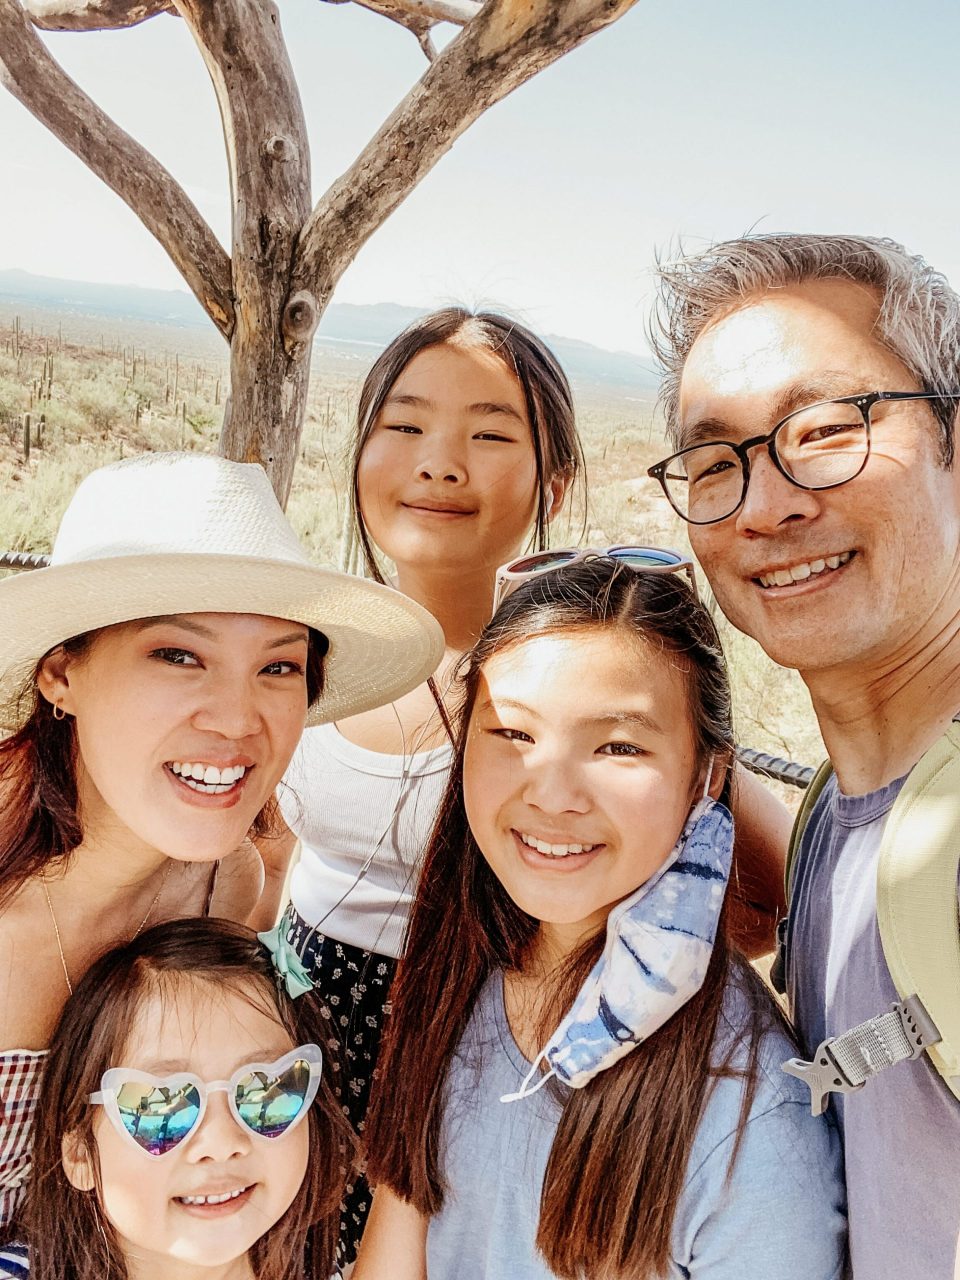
point(811, 389)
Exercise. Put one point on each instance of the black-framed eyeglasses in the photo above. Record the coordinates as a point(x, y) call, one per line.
point(820, 446)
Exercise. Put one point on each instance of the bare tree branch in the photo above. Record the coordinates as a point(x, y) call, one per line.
point(419, 16)
point(418, 26)
point(269, 158)
point(429, 48)
point(458, 11)
point(507, 43)
point(92, 15)
point(38, 81)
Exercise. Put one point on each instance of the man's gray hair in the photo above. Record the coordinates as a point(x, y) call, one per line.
point(919, 318)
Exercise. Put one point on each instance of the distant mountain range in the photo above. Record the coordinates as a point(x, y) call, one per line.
point(343, 323)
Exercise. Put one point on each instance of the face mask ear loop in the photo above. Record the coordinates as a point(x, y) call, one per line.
point(709, 779)
point(524, 1091)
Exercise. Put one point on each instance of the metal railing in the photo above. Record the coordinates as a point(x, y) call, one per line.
point(788, 771)
point(22, 560)
point(768, 766)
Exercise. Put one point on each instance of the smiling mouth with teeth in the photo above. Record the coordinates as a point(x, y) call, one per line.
point(801, 572)
point(207, 778)
point(554, 850)
point(221, 1199)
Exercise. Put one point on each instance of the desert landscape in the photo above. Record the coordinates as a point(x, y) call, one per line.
point(82, 388)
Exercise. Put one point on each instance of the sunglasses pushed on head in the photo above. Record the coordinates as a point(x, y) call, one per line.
point(640, 559)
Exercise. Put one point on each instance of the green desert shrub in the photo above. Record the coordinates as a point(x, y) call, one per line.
point(101, 404)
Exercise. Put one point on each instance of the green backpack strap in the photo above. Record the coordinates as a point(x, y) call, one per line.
point(778, 970)
point(810, 798)
point(917, 897)
point(917, 871)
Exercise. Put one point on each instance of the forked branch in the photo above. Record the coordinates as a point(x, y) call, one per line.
point(504, 45)
point(421, 16)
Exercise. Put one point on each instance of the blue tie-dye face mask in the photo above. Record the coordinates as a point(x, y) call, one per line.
point(659, 942)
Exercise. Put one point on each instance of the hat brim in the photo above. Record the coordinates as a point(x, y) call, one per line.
point(382, 644)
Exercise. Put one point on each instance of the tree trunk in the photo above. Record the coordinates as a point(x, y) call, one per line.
point(269, 162)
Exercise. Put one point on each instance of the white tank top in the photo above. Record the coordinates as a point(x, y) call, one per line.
point(353, 808)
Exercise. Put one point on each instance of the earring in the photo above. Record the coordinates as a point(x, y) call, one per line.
point(58, 712)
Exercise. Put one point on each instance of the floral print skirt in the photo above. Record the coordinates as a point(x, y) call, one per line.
point(354, 990)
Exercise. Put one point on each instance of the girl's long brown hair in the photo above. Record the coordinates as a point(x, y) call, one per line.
point(40, 819)
point(69, 1235)
point(623, 1142)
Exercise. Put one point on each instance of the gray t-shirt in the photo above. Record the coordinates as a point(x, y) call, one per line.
point(901, 1132)
point(781, 1215)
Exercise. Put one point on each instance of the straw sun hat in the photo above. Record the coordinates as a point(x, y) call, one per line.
point(192, 533)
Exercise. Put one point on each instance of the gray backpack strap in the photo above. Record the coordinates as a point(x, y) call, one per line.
point(843, 1064)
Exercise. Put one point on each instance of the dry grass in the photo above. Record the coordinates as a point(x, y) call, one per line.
point(92, 418)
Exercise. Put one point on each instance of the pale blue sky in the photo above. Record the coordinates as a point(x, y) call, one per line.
point(697, 120)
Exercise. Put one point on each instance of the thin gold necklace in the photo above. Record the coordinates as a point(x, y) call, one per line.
point(137, 932)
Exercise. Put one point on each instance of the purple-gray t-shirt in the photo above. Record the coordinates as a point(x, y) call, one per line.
point(777, 1215)
point(901, 1131)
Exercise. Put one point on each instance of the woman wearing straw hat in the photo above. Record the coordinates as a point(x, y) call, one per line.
point(154, 682)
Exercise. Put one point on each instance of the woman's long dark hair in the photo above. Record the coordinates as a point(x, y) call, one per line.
point(622, 1145)
point(69, 1235)
point(547, 393)
point(40, 819)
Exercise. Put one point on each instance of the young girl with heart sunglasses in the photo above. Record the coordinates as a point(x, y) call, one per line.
point(185, 1123)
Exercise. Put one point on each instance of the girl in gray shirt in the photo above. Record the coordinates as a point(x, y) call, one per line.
point(580, 1077)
